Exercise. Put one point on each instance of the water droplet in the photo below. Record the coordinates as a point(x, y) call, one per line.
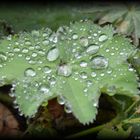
point(53, 54)
point(44, 89)
point(27, 43)
point(102, 74)
point(34, 54)
point(16, 49)
point(35, 33)
point(30, 72)
point(83, 64)
point(68, 107)
point(107, 50)
point(31, 48)
point(45, 42)
point(92, 49)
point(25, 50)
point(89, 83)
point(99, 62)
point(93, 74)
point(83, 75)
point(84, 41)
point(109, 71)
point(61, 100)
point(47, 69)
point(111, 90)
point(52, 81)
point(95, 34)
point(131, 69)
point(112, 54)
point(103, 37)
point(64, 70)
point(3, 57)
point(41, 52)
point(75, 36)
point(95, 104)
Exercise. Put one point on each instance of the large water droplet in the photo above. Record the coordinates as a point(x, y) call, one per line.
point(3, 57)
point(61, 99)
point(47, 69)
point(30, 72)
point(92, 49)
point(53, 54)
point(64, 70)
point(84, 41)
point(44, 89)
point(103, 37)
point(99, 62)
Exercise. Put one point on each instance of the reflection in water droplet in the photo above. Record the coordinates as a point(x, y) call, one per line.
point(64, 70)
point(103, 37)
point(84, 41)
point(53, 54)
point(92, 49)
point(30, 72)
point(99, 62)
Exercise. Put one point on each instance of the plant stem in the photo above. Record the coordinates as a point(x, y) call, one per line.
point(86, 132)
point(131, 106)
point(135, 120)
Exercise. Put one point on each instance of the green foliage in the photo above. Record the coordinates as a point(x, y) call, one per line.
point(75, 64)
point(125, 17)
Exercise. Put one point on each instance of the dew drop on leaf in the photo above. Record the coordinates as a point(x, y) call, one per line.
point(67, 107)
point(25, 50)
point(83, 75)
point(44, 89)
point(64, 70)
point(74, 36)
point(53, 54)
point(92, 49)
point(103, 37)
point(61, 100)
point(30, 72)
point(99, 62)
point(16, 49)
point(3, 57)
point(83, 64)
point(84, 41)
point(93, 74)
point(47, 69)
point(45, 42)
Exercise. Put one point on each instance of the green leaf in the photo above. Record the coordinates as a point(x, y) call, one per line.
point(74, 64)
point(125, 17)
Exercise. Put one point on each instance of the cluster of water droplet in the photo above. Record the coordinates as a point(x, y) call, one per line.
point(79, 51)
